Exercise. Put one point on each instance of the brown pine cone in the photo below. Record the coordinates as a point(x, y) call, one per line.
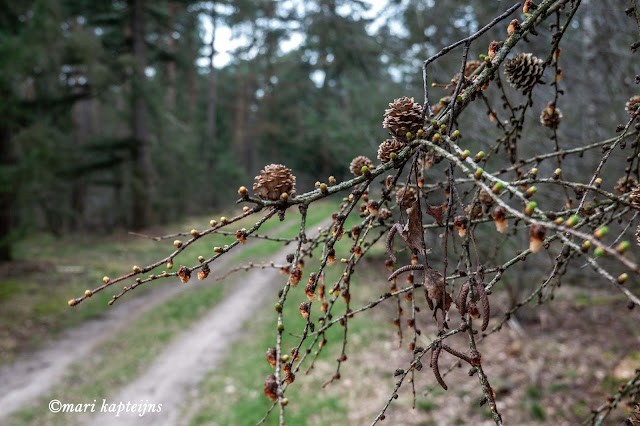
point(387, 147)
point(624, 185)
point(632, 104)
point(405, 115)
point(524, 71)
point(550, 116)
point(274, 181)
point(358, 163)
point(406, 197)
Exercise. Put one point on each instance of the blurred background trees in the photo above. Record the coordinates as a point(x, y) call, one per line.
point(128, 113)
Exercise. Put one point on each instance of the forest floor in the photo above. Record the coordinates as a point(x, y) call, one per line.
point(200, 353)
point(550, 365)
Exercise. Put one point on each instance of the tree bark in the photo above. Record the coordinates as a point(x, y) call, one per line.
point(170, 94)
point(239, 123)
point(211, 96)
point(81, 118)
point(141, 155)
point(6, 197)
point(192, 72)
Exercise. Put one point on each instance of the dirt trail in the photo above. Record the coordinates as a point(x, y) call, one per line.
point(34, 374)
point(174, 375)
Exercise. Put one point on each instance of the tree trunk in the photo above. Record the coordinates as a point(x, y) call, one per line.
point(7, 196)
point(192, 73)
point(211, 96)
point(142, 182)
point(239, 123)
point(170, 94)
point(81, 118)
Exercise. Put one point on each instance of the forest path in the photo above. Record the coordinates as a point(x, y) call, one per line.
point(172, 379)
point(33, 375)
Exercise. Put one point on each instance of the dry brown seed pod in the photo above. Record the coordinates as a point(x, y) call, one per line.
point(635, 197)
point(529, 6)
point(494, 46)
point(473, 310)
point(469, 69)
point(624, 185)
point(460, 222)
point(384, 213)
point(550, 116)
point(485, 198)
point(271, 387)
point(435, 109)
point(305, 309)
point(271, 357)
point(406, 197)
point(296, 276)
point(184, 273)
point(204, 272)
point(514, 26)
point(500, 219)
point(632, 104)
point(537, 235)
point(241, 235)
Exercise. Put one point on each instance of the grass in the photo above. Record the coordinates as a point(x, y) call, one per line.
point(130, 350)
point(233, 394)
point(123, 356)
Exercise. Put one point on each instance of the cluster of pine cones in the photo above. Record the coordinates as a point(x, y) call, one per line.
point(403, 119)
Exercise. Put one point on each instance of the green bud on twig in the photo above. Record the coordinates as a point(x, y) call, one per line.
point(601, 232)
point(531, 207)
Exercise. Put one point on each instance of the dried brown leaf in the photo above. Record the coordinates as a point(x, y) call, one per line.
point(413, 232)
point(436, 213)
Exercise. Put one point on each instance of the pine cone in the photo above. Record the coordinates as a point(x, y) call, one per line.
point(405, 115)
point(634, 419)
point(632, 104)
point(485, 198)
point(274, 181)
point(358, 163)
point(384, 214)
point(524, 71)
point(406, 197)
point(550, 116)
point(440, 105)
point(624, 185)
point(387, 147)
point(477, 212)
point(494, 46)
point(271, 387)
point(469, 69)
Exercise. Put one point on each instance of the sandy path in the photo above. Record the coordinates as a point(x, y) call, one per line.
point(173, 377)
point(32, 375)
